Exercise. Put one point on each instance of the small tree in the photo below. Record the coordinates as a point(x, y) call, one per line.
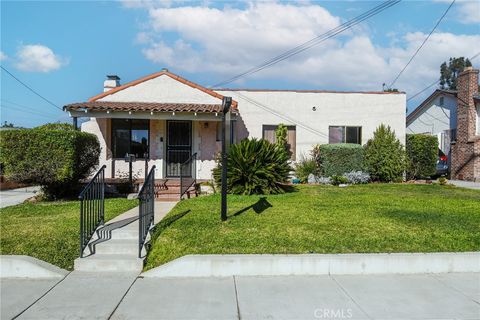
point(385, 155)
point(281, 133)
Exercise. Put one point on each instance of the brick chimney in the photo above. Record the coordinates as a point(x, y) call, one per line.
point(112, 81)
point(466, 151)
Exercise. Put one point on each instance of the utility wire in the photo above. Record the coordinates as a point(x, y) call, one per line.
point(26, 111)
point(437, 81)
point(30, 88)
point(423, 43)
point(315, 41)
point(24, 106)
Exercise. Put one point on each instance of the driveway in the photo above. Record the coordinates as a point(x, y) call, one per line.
point(95, 296)
point(466, 184)
point(16, 196)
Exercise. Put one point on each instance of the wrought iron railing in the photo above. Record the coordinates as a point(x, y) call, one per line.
point(92, 207)
point(188, 174)
point(146, 214)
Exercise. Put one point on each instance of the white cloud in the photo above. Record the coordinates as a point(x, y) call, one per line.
point(3, 56)
point(228, 41)
point(38, 58)
point(469, 11)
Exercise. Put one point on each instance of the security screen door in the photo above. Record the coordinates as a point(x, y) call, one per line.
point(179, 145)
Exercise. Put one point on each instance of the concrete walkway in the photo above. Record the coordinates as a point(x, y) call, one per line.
point(465, 184)
point(114, 247)
point(16, 196)
point(113, 296)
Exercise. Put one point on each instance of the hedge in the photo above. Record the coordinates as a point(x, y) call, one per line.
point(422, 154)
point(338, 159)
point(54, 157)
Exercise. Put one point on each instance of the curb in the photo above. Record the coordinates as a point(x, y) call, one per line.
point(316, 264)
point(13, 266)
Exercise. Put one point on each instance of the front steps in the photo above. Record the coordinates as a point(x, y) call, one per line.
point(172, 191)
point(114, 247)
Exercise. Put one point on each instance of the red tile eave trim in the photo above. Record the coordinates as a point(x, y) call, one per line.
point(155, 75)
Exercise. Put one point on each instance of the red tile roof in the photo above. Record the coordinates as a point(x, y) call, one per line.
point(144, 106)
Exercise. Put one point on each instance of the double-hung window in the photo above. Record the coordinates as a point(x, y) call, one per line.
point(268, 133)
point(344, 134)
point(130, 136)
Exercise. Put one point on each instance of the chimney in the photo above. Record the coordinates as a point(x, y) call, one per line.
point(112, 81)
point(467, 88)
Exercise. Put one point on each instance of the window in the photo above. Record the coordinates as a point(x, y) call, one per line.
point(442, 101)
point(344, 134)
point(130, 136)
point(233, 131)
point(268, 133)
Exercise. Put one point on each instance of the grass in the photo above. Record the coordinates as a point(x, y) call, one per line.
point(324, 219)
point(49, 230)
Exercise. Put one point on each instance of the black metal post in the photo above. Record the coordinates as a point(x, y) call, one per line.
point(226, 103)
point(130, 175)
point(75, 123)
point(145, 155)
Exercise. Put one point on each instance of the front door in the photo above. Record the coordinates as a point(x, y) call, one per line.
point(179, 145)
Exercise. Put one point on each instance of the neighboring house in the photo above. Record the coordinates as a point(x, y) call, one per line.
point(453, 116)
point(170, 118)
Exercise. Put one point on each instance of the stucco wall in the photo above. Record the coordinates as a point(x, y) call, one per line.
point(434, 118)
point(162, 89)
point(295, 108)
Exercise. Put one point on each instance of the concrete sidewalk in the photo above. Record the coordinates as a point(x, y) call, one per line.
point(84, 296)
point(466, 184)
point(16, 196)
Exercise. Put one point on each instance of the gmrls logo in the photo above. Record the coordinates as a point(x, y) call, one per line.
point(333, 313)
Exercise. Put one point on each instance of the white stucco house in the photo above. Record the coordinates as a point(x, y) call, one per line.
point(169, 118)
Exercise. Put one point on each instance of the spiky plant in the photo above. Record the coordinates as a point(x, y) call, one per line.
point(255, 167)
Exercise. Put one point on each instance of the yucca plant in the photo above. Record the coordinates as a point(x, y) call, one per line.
point(255, 167)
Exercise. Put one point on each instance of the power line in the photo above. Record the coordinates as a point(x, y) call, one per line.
point(423, 43)
point(30, 88)
point(315, 41)
point(437, 81)
point(26, 111)
point(25, 107)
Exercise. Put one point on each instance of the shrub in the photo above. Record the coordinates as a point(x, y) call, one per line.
point(324, 180)
point(338, 180)
point(53, 158)
point(443, 181)
point(337, 159)
point(385, 156)
point(422, 153)
point(357, 177)
point(255, 167)
point(304, 167)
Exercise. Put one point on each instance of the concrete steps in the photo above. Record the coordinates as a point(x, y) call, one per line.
point(109, 263)
point(118, 246)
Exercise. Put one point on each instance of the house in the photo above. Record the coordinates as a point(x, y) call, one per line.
point(453, 116)
point(169, 118)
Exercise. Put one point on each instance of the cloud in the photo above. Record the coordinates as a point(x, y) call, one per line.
point(38, 58)
point(469, 12)
point(3, 56)
point(228, 41)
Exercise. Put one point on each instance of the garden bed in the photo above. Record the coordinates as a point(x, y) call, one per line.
point(324, 219)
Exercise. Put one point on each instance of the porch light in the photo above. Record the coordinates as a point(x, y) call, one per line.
point(216, 114)
point(129, 112)
point(108, 111)
point(86, 110)
point(195, 114)
point(173, 113)
point(151, 113)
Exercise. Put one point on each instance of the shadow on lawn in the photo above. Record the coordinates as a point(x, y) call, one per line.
point(261, 205)
point(440, 220)
point(165, 223)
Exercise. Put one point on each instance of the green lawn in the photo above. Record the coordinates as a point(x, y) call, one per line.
point(49, 230)
point(324, 219)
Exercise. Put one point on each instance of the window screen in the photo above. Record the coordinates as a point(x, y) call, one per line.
point(344, 134)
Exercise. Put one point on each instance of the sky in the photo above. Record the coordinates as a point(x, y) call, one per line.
point(64, 49)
